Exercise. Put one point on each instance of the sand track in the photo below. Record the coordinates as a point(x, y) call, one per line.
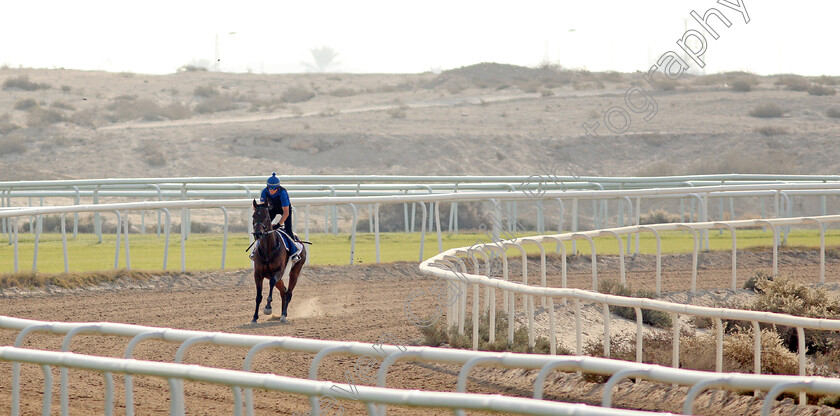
point(358, 303)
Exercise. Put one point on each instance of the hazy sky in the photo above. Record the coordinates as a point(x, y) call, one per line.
point(402, 36)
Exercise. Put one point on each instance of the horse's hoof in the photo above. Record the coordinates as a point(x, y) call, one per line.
point(283, 319)
point(253, 321)
point(267, 311)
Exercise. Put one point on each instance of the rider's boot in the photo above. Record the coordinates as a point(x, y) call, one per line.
point(254, 251)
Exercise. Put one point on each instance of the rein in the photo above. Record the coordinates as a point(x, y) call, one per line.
point(258, 237)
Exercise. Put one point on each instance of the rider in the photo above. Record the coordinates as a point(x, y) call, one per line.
point(280, 204)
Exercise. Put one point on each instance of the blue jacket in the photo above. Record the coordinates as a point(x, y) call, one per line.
point(278, 201)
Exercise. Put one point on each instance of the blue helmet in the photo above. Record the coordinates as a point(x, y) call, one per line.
point(273, 181)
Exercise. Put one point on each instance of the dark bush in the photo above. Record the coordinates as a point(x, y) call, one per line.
point(786, 295)
point(651, 317)
point(23, 83)
point(770, 131)
point(223, 102)
point(820, 90)
point(794, 82)
point(343, 92)
point(767, 110)
point(750, 284)
point(741, 86)
point(297, 95)
point(12, 143)
point(40, 117)
point(205, 91)
point(25, 104)
point(437, 334)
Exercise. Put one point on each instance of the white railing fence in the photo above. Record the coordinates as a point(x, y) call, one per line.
point(433, 213)
point(379, 394)
point(452, 265)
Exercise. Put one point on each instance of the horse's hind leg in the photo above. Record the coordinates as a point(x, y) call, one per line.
point(258, 282)
point(293, 277)
point(267, 309)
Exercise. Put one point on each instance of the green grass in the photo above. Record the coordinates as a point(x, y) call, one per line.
point(203, 251)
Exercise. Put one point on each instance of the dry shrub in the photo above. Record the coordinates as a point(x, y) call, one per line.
point(658, 168)
point(266, 105)
point(745, 162)
point(205, 91)
point(62, 106)
point(783, 294)
point(659, 216)
point(667, 84)
point(698, 351)
point(176, 111)
point(612, 76)
point(6, 127)
point(329, 112)
point(216, 103)
point(820, 90)
point(343, 92)
point(739, 355)
point(397, 112)
point(12, 143)
point(23, 83)
point(767, 110)
point(40, 117)
point(297, 95)
point(25, 104)
point(794, 82)
point(649, 316)
point(825, 80)
point(437, 334)
point(752, 282)
point(152, 155)
point(125, 108)
point(770, 131)
point(85, 118)
point(741, 86)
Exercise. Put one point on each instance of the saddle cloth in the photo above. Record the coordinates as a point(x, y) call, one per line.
point(289, 242)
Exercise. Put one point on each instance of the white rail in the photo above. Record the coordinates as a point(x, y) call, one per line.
point(237, 379)
point(448, 265)
point(390, 353)
point(433, 199)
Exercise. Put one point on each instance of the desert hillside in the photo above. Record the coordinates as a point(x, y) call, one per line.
point(482, 119)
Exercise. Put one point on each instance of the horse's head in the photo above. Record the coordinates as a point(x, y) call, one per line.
point(261, 219)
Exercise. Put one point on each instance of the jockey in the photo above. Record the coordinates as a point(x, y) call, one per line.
point(280, 204)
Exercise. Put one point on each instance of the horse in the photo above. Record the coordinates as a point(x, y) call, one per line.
point(270, 260)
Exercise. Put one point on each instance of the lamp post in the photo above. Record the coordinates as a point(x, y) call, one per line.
point(218, 58)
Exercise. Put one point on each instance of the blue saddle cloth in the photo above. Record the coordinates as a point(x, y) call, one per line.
point(287, 242)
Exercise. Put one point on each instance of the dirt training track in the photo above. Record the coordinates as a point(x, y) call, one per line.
point(359, 303)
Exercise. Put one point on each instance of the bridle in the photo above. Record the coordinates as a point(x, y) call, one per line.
point(258, 233)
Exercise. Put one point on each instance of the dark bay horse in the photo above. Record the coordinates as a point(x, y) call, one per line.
point(270, 262)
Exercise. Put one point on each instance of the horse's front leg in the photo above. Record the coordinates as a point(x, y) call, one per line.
point(267, 309)
point(258, 282)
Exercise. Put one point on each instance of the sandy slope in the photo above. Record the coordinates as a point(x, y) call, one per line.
point(405, 124)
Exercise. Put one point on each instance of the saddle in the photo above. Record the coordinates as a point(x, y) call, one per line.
point(294, 236)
